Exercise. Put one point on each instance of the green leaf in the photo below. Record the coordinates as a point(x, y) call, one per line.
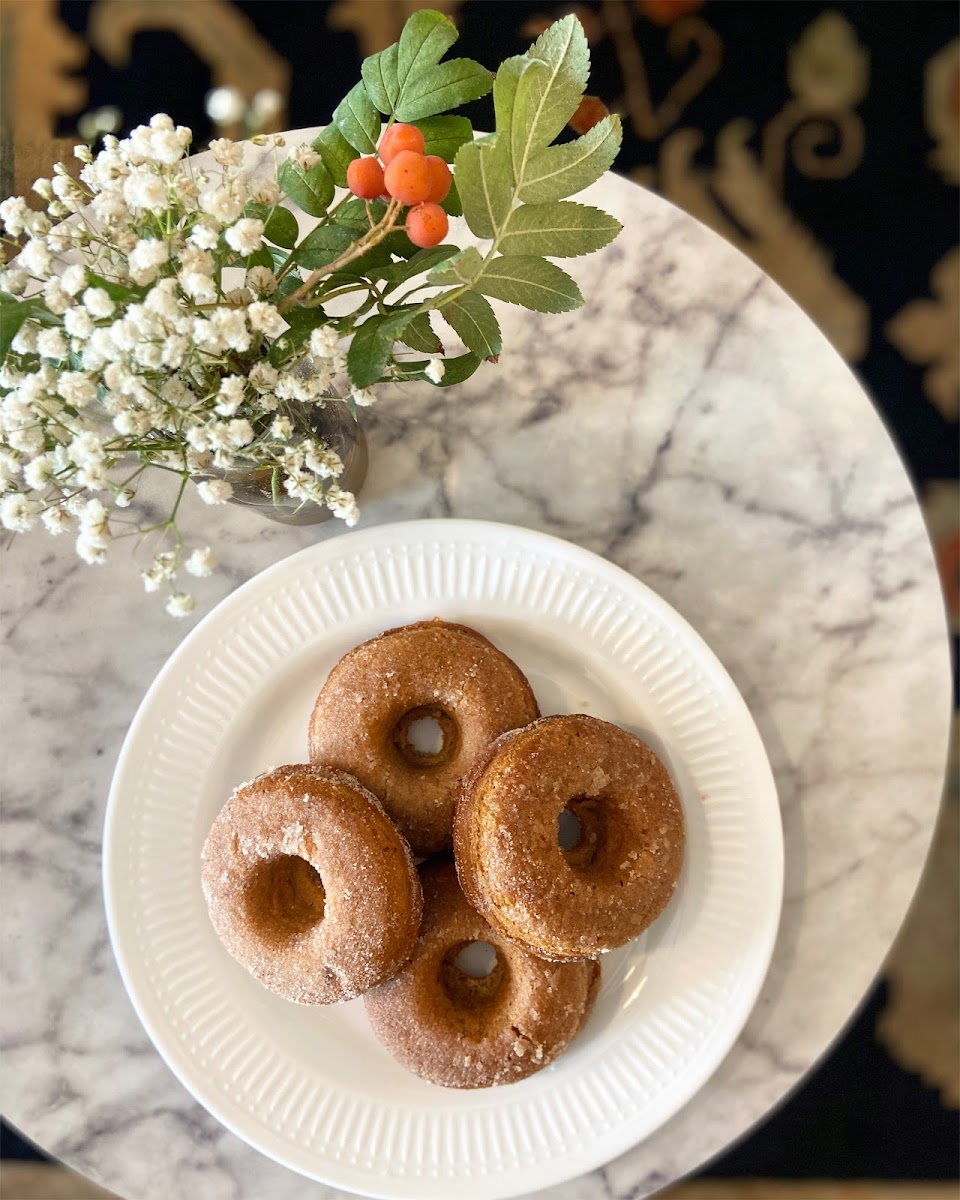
point(302, 322)
point(423, 260)
point(504, 95)
point(310, 190)
point(456, 370)
point(358, 120)
point(559, 230)
point(336, 152)
point(560, 171)
point(322, 245)
point(563, 49)
point(474, 320)
point(419, 335)
point(533, 282)
point(379, 74)
point(425, 39)
point(462, 268)
point(445, 86)
point(13, 313)
point(451, 203)
point(116, 291)
point(281, 228)
point(372, 345)
point(484, 186)
point(445, 135)
point(353, 215)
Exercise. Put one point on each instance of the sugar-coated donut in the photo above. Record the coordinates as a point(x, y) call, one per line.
point(462, 1032)
point(309, 885)
point(608, 887)
point(379, 689)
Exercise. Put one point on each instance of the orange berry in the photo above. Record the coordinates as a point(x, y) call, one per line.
point(440, 178)
point(365, 178)
point(408, 177)
point(591, 112)
point(427, 224)
point(400, 137)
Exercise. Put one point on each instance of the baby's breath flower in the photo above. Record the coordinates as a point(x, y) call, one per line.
point(181, 604)
point(363, 397)
point(215, 491)
point(262, 280)
point(76, 388)
point(266, 319)
point(97, 302)
point(124, 497)
point(14, 214)
point(246, 236)
point(9, 468)
point(36, 260)
point(78, 323)
point(324, 342)
point(201, 562)
point(304, 156)
point(56, 520)
point(13, 281)
point(145, 260)
point(281, 428)
point(55, 297)
point(18, 512)
point(265, 191)
point(263, 376)
point(93, 550)
point(143, 189)
point(226, 152)
point(52, 344)
point(342, 504)
point(435, 370)
point(219, 203)
point(204, 235)
point(43, 188)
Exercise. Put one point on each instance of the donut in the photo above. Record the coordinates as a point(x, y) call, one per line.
point(462, 1032)
point(580, 901)
point(309, 885)
point(362, 718)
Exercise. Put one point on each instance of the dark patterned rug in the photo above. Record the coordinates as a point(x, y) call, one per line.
point(824, 141)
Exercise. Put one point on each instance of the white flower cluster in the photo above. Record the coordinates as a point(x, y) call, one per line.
point(149, 333)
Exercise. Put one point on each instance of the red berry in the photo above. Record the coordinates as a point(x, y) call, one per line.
point(427, 224)
point(408, 177)
point(440, 178)
point(400, 137)
point(365, 178)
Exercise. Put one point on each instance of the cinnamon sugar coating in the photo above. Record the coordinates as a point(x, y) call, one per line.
point(461, 1032)
point(309, 886)
point(605, 890)
point(374, 693)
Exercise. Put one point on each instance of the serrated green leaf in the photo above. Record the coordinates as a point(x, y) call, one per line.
point(483, 183)
point(527, 136)
point(281, 228)
point(475, 321)
point(445, 135)
point(322, 245)
point(372, 344)
point(379, 74)
point(561, 171)
point(358, 120)
point(310, 190)
point(504, 95)
point(532, 282)
point(419, 335)
point(445, 86)
point(426, 37)
point(423, 260)
point(456, 370)
point(462, 268)
point(563, 49)
point(559, 230)
point(336, 152)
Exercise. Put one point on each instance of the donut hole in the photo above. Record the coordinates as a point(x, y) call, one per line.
point(426, 736)
point(284, 897)
point(473, 974)
point(581, 831)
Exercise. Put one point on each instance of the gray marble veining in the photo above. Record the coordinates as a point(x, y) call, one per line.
point(692, 425)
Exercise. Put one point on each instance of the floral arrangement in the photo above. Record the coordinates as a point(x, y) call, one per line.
point(165, 316)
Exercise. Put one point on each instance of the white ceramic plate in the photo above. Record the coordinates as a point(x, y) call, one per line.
point(310, 1086)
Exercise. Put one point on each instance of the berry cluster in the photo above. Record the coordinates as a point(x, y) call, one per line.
point(417, 180)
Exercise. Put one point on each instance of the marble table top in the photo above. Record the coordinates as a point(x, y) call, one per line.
point(692, 425)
